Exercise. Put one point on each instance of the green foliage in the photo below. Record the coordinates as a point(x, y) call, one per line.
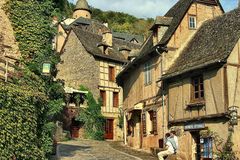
point(28, 113)
point(92, 117)
point(122, 22)
point(227, 153)
point(121, 119)
point(20, 108)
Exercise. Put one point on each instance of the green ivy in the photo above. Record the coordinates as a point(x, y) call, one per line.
point(29, 107)
point(92, 117)
point(20, 108)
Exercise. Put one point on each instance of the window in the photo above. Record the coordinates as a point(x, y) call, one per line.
point(198, 88)
point(115, 99)
point(111, 73)
point(103, 97)
point(192, 22)
point(206, 147)
point(147, 73)
point(153, 119)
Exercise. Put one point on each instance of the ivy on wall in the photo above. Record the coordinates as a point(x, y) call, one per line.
point(20, 108)
point(92, 117)
point(29, 107)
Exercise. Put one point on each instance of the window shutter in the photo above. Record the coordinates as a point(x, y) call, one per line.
point(111, 73)
point(154, 122)
point(115, 99)
point(144, 124)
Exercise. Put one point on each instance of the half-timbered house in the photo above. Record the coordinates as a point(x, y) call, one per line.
point(144, 99)
point(203, 89)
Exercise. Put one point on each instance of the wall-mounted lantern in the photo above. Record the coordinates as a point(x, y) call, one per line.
point(233, 115)
point(46, 68)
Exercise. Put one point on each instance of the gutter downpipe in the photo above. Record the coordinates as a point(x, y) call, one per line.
point(125, 127)
point(163, 103)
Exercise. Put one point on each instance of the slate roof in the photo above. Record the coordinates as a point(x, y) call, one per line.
point(93, 25)
point(91, 40)
point(82, 4)
point(212, 44)
point(162, 20)
point(128, 37)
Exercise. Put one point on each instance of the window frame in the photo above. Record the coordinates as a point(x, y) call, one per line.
point(198, 90)
point(111, 73)
point(147, 73)
point(116, 99)
point(194, 22)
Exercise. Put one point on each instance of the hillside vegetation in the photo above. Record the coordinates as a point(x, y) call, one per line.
point(117, 21)
point(123, 22)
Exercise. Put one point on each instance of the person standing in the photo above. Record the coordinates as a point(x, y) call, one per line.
point(173, 135)
point(170, 147)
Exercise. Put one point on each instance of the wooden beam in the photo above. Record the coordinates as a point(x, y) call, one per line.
point(233, 64)
point(212, 116)
point(225, 92)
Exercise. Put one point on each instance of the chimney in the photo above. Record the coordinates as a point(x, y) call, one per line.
point(107, 37)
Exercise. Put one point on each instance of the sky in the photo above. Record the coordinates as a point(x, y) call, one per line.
point(145, 8)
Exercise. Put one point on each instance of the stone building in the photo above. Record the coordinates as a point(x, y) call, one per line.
point(92, 57)
point(9, 51)
point(203, 89)
point(145, 101)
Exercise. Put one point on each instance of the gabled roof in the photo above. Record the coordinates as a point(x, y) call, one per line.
point(177, 12)
point(128, 36)
point(92, 24)
point(212, 44)
point(90, 41)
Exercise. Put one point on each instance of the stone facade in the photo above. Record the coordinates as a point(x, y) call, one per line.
point(78, 67)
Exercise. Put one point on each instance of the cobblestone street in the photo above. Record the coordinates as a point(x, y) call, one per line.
point(99, 150)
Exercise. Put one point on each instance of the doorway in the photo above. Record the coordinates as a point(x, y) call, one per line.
point(196, 146)
point(108, 129)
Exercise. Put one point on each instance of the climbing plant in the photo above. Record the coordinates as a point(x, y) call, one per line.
point(92, 117)
point(29, 107)
point(20, 108)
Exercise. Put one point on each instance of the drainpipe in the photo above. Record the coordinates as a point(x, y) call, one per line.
point(163, 102)
point(125, 127)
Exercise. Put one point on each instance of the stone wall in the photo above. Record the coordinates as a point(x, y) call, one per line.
point(78, 67)
point(8, 43)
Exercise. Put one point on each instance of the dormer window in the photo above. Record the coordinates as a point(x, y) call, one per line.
point(192, 22)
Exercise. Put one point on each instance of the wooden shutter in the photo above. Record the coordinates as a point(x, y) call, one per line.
point(115, 99)
point(154, 122)
point(144, 124)
point(111, 73)
point(103, 97)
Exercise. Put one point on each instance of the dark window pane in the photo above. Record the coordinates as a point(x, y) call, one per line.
point(201, 87)
point(196, 95)
point(196, 88)
point(202, 94)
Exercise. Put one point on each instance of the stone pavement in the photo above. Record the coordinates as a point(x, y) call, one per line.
point(98, 150)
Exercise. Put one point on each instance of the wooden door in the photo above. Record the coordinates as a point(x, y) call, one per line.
point(109, 129)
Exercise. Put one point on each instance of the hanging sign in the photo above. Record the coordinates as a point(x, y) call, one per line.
point(194, 126)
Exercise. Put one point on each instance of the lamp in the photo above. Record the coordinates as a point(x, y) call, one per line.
point(46, 68)
point(233, 115)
